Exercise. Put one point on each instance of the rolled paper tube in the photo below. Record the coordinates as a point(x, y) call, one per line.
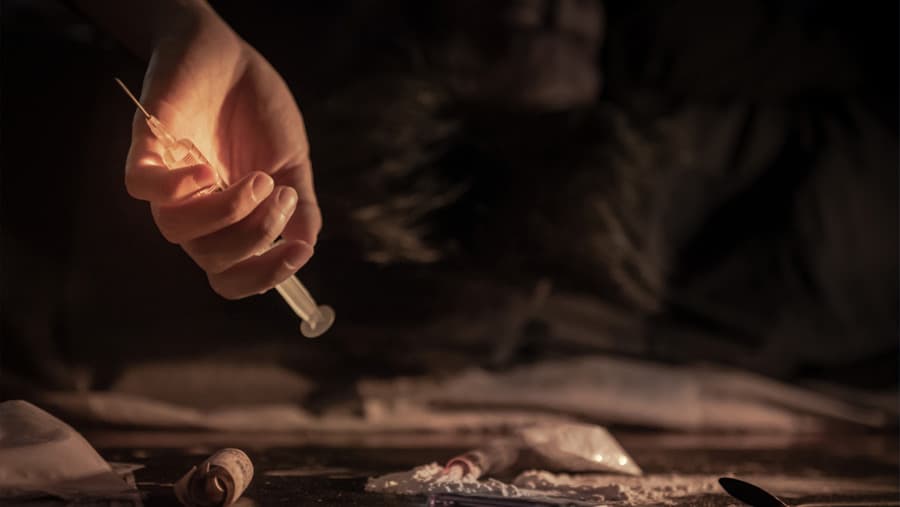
point(495, 457)
point(217, 482)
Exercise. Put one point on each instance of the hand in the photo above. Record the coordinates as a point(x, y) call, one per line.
point(206, 84)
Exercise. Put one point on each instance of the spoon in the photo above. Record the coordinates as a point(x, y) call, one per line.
point(755, 496)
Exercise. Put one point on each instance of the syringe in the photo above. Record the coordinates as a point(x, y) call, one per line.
point(178, 153)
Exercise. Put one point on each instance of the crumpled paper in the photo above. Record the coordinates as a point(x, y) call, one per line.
point(42, 456)
point(578, 448)
point(568, 447)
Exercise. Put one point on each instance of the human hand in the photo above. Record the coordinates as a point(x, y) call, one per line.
point(206, 84)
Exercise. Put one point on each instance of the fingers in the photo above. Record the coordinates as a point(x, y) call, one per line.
point(147, 177)
point(223, 249)
point(259, 274)
point(307, 220)
point(186, 220)
point(305, 224)
point(162, 185)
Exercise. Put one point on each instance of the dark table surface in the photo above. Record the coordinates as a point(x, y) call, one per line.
point(303, 469)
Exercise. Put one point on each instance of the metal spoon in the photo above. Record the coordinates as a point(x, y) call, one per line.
point(755, 496)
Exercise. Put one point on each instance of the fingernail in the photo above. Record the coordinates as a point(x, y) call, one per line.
point(298, 255)
point(286, 199)
point(261, 187)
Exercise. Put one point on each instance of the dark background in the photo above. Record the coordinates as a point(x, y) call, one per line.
point(749, 148)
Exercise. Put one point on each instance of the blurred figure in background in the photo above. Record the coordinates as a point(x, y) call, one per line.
point(714, 182)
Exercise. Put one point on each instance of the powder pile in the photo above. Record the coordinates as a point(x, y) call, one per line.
point(660, 489)
point(590, 488)
point(432, 479)
point(612, 489)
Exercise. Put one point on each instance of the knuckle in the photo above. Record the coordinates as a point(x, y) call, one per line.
point(136, 187)
point(131, 180)
point(130, 187)
point(168, 189)
point(266, 284)
point(317, 219)
point(269, 227)
point(221, 289)
point(169, 236)
point(277, 276)
point(233, 209)
point(206, 256)
point(160, 218)
point(211, 262)
point(314, 215)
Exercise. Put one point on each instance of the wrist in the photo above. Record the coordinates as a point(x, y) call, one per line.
point(141, 26)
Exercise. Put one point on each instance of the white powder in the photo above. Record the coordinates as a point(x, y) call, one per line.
point(432, 479)
point(649, 489)
point(590, 488)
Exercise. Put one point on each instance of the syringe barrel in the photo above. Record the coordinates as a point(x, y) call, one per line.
point(183, 153)
point(316, 319)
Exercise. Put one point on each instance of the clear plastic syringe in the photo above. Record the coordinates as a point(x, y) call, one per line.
point(178, 153)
